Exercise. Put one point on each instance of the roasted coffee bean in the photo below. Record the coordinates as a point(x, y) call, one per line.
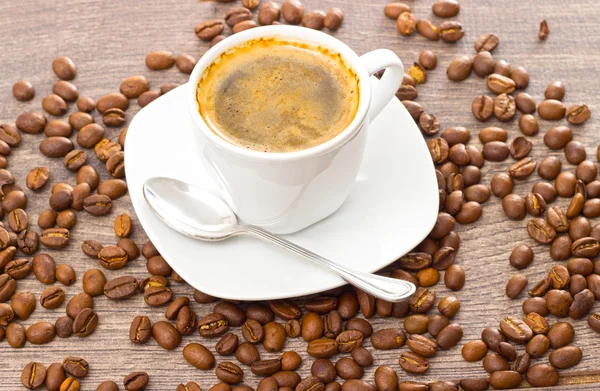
point(347, 368)
point(6, 314)
point(558, 302)
point(515, 329)
point(106, 148)
point(514, 206)
point(504, 107)
point(362, 356)
point(366, 303)
point(52, 297)
point(120, 288)
point(551, 109)
point(487, 42)
point(166, 335)
point(578, 113)
point(9, 135)
point(521, 77)
point(23, 91)
point(549, 167)
point(582, 304)
point(406, 23)
point(140, 330)
point(555, 90)
point(55, 238)
point(565, 357)
point(451, 32)
point(495, 151)
point(535, 304)
point(494, 362)
point(160, 59)
point(586, 247)
point(66, 219)
point(565, 184)
point(56, 146)
point(361, 325)
point(15, 335)
point(322, 347)
point(28, 241)
point(460, 68)
point(235, 315)
point(55, 376)
point(58, 128)
point(290, 361)
point(85, 322)
point(54, 105)
point(500, 84)
point(229, 373)
point(516, 284)
point(253, 331)
point(349, 340)
point(393, 10)
point(293, 329)
point(114, 117)
point(40, 333)
point(505, 379)
point(520, 147)
point(538, 346)
point(445, 8)
point(449, 336)
point(422, 345)
point(438, 149)
point(423, 299)
point(275, 336)
point(314, 19)
point(455, 135)
point(260, 313)
point(18, 268)
point(23, 304)
point(427, 29)
point(482, 107)
point(483, 64)
point(542, 375)
point(586, 171)
point(322, 305)
point(502, 184)
point(136, 381)
point(79, 120)
point(474, 350)
point(386, 339)
point(492, 133)
point(502, 68)
point(265, 367)
point(292, 11)
point(454, 277)
point(76, 366)
point(212, 325)
point(14, 200)
point(429, 124)
point(413, 363)
point(246, 353)
point(560, 334)
point(540, 231)
point(285, 309)
point(112, 257)
point(199, 356)
point(33, 375)
point(97, 205)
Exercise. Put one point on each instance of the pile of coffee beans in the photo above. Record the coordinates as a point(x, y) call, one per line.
point(269, 13)
point(407, 24)
point(335, 325)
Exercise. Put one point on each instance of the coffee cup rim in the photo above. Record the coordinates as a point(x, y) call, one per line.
point(302, 34)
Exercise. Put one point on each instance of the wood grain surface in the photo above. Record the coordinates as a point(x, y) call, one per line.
point(108, 41)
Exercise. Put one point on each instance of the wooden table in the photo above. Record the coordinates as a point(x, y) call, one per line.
point(108, 41)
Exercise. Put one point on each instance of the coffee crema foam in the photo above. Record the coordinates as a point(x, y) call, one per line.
point(273, 95)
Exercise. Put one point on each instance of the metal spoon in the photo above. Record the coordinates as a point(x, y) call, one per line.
point(198, 214)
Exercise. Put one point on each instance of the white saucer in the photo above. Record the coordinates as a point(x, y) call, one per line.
point(390, 210)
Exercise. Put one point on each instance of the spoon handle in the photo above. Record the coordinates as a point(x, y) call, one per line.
point(389, 289)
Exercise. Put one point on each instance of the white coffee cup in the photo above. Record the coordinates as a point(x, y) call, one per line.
point(286, 192)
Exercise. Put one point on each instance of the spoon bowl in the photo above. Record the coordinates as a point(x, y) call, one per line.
point(190, 210)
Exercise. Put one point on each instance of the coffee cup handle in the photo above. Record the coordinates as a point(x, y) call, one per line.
point(390, 81)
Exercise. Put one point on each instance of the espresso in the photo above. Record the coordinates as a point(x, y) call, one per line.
point(271, 95)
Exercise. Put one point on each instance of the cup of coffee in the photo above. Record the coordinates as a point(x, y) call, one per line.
point(282, 115)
